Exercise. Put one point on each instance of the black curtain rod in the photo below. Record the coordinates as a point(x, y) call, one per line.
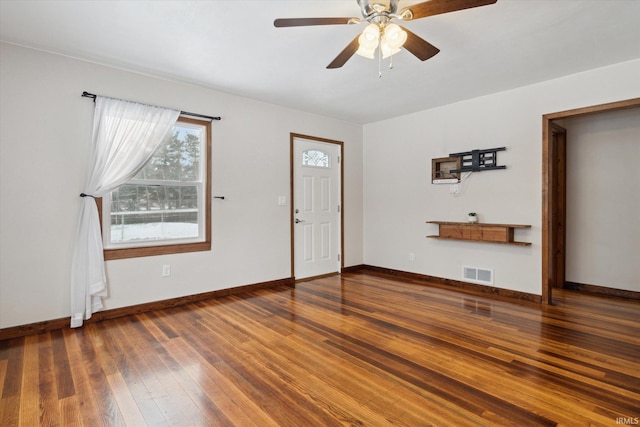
point(86, 94)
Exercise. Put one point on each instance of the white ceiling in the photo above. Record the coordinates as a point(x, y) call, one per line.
point(232, 46)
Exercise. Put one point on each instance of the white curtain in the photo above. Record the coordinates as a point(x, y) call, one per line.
point(125, 135)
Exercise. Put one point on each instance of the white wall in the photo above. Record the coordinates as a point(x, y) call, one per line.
point(45, 129)
point(399, 198)
point(603, 201)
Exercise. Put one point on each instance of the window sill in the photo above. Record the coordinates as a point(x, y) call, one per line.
point(111, 254)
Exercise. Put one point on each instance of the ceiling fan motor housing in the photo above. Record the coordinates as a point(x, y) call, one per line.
point(372, 8)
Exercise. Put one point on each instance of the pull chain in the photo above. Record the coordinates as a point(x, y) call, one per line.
point(379, 60)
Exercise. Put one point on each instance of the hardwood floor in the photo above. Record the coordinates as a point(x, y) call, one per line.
point(355, 349)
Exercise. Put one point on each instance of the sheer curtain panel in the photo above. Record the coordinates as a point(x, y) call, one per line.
point(125, 135)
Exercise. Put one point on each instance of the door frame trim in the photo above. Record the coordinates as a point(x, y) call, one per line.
point(558, 193)
point(292, 137)
point(547, 164)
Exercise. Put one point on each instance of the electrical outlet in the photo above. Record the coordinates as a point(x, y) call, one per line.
point(166, 270)
point(412, 256)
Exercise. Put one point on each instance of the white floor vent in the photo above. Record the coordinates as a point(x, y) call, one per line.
point(483, 276)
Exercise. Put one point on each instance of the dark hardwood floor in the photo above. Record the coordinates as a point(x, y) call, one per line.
point(356, 349)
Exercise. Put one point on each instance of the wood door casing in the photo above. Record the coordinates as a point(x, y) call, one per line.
point(558, 217)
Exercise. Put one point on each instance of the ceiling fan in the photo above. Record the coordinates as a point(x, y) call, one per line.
point(381, 33)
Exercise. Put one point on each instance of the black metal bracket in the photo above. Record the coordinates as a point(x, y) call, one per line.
point(478, 160)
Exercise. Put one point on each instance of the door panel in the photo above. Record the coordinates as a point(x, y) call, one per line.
point(325, 242)
point(325, 194)
point(307, 194)
point(307, 242)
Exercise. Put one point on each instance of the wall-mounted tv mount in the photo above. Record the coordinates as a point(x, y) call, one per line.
point(478, 160)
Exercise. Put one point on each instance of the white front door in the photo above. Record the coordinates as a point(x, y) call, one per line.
point(316, 207)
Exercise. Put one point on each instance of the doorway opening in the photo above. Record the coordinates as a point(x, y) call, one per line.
point(553, 193)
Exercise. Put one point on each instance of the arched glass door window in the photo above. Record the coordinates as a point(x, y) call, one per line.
point(316, 158)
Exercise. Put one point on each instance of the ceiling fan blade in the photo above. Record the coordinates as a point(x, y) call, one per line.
point(437, 7)
point(346, 54)
point(303, 22)
point(419, 47)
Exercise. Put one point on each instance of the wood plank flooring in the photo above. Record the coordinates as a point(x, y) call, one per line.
point(356, 349)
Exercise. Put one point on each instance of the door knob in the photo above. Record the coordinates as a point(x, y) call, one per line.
point(299, 220)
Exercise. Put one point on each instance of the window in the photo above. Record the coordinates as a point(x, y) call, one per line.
point(166, 207)
point(315, 158)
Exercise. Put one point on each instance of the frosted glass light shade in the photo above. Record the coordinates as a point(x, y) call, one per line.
point(387, 50)
point(394, 36)
point(367, 53)
point(370, 37)
point(368, 41)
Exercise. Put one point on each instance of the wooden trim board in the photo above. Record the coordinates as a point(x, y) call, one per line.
point(602, 290)
point(52, 325)
point(466, 287)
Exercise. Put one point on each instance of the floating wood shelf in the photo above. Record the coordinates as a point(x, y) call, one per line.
point(478, 232)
